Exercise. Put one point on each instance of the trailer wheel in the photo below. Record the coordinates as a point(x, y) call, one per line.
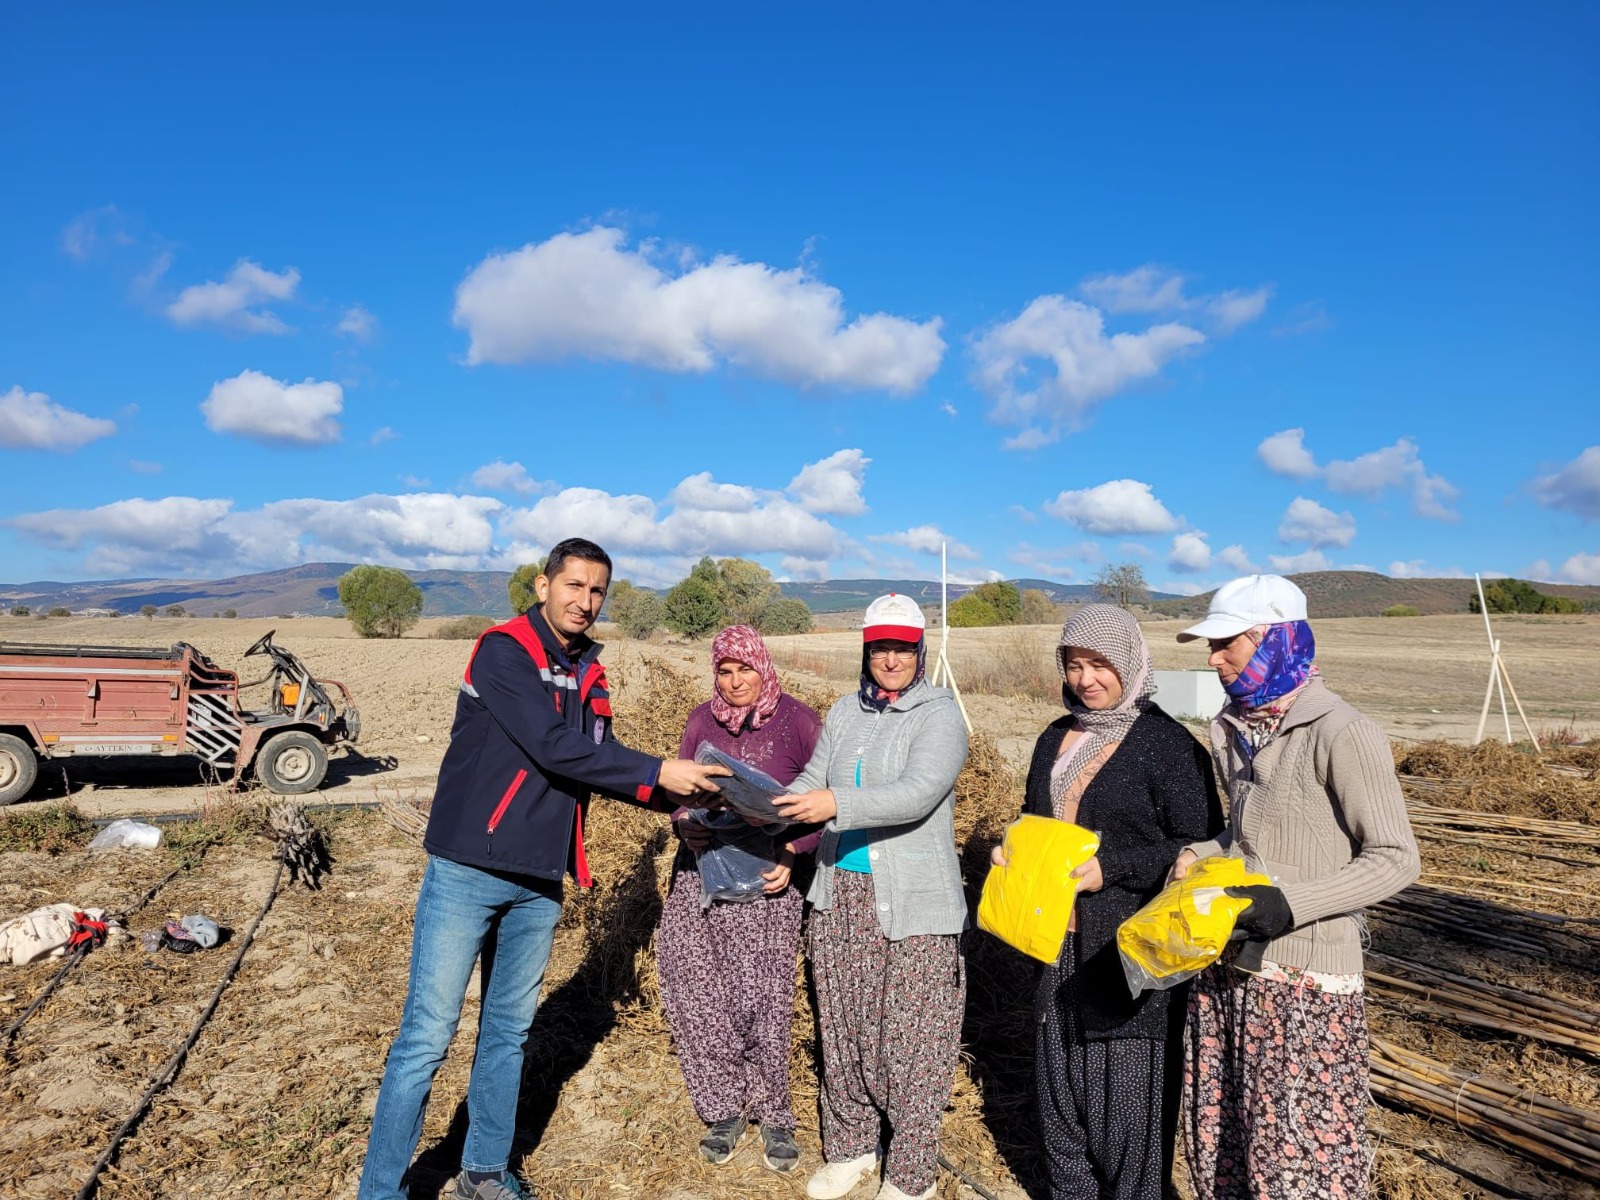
point(292, 763)
point(19, 767)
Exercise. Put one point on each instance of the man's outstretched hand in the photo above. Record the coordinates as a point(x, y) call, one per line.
point(685, 777)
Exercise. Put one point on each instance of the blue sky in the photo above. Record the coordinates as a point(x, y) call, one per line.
point(1213, 290)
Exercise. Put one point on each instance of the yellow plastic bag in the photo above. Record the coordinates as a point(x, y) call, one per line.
point(1028, 902)
point(1185, 928)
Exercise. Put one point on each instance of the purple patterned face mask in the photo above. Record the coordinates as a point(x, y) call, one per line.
point(1281, 663)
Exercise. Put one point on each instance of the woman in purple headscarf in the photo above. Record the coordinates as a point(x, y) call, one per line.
point(1276, 1048)
point(727, 968)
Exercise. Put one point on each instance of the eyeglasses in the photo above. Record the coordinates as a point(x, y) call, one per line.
point(1217, 645)
point(883, 653)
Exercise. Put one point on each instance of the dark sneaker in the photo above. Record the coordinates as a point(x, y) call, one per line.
point(507, 1187)
point(721, 1139)
point(778, 1150)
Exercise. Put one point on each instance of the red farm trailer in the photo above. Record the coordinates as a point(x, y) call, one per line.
point(77, 701)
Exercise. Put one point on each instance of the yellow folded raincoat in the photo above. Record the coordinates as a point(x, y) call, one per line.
point(1028, 902)
point(1185, 928)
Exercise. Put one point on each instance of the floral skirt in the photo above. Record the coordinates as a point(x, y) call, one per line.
point(1275, 1076)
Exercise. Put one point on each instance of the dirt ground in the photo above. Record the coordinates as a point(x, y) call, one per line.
point(276, 1097)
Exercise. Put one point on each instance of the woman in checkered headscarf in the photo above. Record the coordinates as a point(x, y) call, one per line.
point(1107, 1067)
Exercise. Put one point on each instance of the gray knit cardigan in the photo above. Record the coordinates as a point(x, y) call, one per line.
point(910, 755)
point(1320, 811)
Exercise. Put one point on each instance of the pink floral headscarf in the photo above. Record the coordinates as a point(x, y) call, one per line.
point(743, 644)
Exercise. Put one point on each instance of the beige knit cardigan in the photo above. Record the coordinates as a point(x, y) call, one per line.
point(1319, 809)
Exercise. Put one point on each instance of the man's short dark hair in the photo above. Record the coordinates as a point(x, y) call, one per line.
point(579, 548)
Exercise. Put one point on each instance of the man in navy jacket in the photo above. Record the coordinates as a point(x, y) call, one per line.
point(532, 737)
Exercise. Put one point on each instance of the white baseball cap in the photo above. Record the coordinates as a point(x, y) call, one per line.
point(893, 618)
point(1246, 603)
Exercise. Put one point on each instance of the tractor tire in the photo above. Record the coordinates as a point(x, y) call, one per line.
point(19, 767)
point(292, 763)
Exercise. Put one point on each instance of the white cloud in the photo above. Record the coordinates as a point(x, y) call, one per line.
point(1026, 515)
point(382, 434)
point(263, 409)
point(1413, 568)
point(1286, 454)
point(32, 421)
point(89, 232)
point(832, 486)
point(948, 409)
point(927, 539)
point(1310, 317)
point(1235, 559)
point(793, 567)
point(1397, 466)
point(1190, 552)
point(143, 467)
point(1183, 587)
point(1575, 488)
point(190, 536)
point(703, 492)
point(1122, 506)
point(1307, 521)
point(1293, 564)
point(357, 323)
point(588, 295)
point(236, 303)
point(1582, 568)
point(501, 476)
point(1152, 289)
point(1085, 365)
point(1055, 560)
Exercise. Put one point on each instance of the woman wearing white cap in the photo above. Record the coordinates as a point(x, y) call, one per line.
point(1276, 1050)
point(888, 911)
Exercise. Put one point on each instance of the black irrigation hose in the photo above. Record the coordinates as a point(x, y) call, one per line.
point(76, 957)
point(958, 1173)
point(169, 1069)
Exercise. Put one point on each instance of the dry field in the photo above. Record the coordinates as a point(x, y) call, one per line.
point(275, 1098)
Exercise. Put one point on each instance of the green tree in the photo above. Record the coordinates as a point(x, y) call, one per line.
point(148, 612)
point(706, 569)
point(60, 612)
point(786, 614)
point(21, 610)
point(1038, 608)
point(693, 607)
point(1400, 610)
point(619, 596)
point(381, 602)
point(175, 610)
point(114, 612)
point(746, 588)
point(1003, 597)
point(230, 614)
point(1517, 596)
point(972, 611)
point(1121, 584)
point(644, 614)
point(519, 588)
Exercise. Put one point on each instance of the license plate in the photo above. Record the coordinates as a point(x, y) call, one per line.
point(111, 747)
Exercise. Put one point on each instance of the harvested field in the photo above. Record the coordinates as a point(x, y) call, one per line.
point(275, 1099)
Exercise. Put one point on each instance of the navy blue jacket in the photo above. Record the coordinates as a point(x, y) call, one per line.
point(532, 738)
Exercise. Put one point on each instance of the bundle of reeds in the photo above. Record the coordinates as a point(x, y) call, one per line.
point(1429, 991)
point(1525, 1122)
point(1490, 922)
point(1454, 823)
point(406, 817)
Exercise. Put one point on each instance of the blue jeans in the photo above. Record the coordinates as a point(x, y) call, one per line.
point(462, 912)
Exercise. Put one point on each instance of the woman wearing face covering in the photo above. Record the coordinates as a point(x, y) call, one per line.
point(727, 968)
point(1108, 1068)
point(887, 912)
point(1276, 1052)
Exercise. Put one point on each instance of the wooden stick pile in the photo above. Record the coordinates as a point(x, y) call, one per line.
point(1486, 826)
point(1536, 1126)
point(1490, 923)
point(1427, 991)
point(407, 818)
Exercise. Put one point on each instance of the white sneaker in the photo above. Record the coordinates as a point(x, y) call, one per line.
point(834, 1180)
point(889, 1192)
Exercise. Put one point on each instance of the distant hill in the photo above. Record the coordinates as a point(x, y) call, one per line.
point(1367, 594)
point(312, 590)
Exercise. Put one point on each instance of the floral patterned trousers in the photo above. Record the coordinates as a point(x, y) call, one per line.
point(1276, 1080)
point(889, 1015)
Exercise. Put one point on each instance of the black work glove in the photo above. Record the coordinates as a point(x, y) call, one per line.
point(1268, 914)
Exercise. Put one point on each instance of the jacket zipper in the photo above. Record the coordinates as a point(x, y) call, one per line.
point(505, 803)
